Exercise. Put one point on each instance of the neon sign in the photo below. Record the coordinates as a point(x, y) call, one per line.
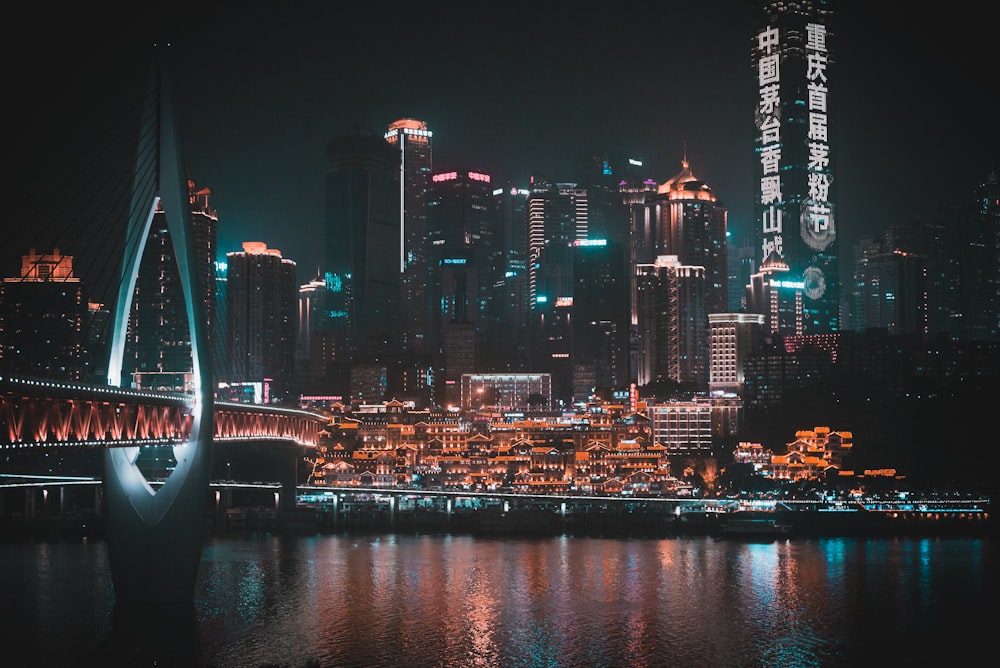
point(769, 123)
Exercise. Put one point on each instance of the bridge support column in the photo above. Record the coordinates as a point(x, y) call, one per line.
point(289, 472)
point(392, 513)
point(29, 505)
point(155, 538)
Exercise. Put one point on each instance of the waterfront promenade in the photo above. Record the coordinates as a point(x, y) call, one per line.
point(235, 507)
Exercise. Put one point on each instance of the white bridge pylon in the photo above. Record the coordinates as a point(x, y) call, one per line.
point(154, 535)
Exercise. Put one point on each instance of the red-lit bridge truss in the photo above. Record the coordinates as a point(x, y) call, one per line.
point(41, 413)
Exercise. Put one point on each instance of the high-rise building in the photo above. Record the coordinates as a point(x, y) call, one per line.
point(689, 222)
point(557, 216)
point(600, 321)
point(672, 324)
point(506, 336)
point(772, 294)
point(732, 337)
point(411, 140)
point(973, 224)
point(361, 271)
point(43, 315)
point(158, 349)
point(261, 309)
point(741, 260)
point(683, 428)
point(606, 176)
point(460, 243)
point(309, 363)
point(794, 161)
point(891, 288)
point(551, 311)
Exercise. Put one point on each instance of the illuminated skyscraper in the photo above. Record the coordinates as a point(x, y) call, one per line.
point(600, 317)
point(689, 222)
point(795, 215)
point(672, 323)
point(412, 140)
point(309, 363)
point(507, 339)
point(732, 337)
point(557, 216)
point(459, 237)
point(261, 309)
point(158, 350)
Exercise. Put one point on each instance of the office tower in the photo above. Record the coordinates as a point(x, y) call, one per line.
point(261, 310)
point(891, 288)
point(973, 224)
point(220, 355)
point(96, 342)
point(641, 250)
point(606, 175)
point(557, 215)
point(780, 300)
point(732, 337)
point(689, 222)
point(460, 243)
point(411, 140)
point(794, 161)
point(784, 368)
point(507, 341)
point(309, 363)
point(683, 428)
point(741, 262)
point(616, 189)
point(362, 247)
point(158, 349)
point(551, 311)
point(42, 318)
point(600, 321)
point(672, 324)
point(459, 355)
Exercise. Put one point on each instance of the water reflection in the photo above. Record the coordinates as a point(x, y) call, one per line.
point(462, 601)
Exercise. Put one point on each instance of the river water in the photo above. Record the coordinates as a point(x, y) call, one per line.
point(410, 600)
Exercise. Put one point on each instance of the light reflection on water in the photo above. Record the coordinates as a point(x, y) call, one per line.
point(268, 600)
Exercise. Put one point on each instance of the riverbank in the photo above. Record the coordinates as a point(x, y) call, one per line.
point(618, 522)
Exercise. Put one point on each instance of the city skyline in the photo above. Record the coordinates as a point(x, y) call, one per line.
point(257, 111)
point(557, 464)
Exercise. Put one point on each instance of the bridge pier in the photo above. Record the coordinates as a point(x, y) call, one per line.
point(29, 505)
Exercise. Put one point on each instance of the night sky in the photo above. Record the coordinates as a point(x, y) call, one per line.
point(510, 89)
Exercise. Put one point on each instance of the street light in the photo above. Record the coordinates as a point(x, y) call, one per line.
point(229, 471)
